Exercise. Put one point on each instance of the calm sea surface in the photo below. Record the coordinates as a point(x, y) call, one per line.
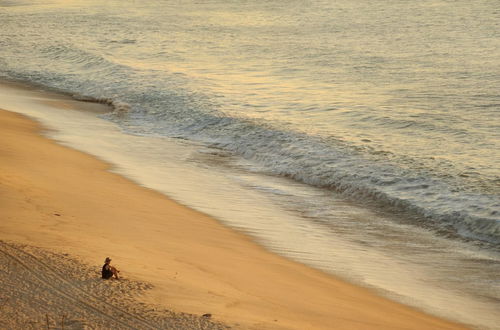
point(359, 137)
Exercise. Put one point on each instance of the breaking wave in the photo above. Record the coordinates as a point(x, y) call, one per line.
point(161, 102)
point(441, 202)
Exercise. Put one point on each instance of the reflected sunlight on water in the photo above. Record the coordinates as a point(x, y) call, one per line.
point(368, 128)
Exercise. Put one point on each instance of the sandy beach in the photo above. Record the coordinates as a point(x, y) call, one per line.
point(63, 212)
point(42, 290)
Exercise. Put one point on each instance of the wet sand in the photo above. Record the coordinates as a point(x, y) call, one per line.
point(68, 202)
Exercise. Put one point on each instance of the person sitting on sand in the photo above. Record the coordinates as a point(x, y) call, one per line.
point(109, 271)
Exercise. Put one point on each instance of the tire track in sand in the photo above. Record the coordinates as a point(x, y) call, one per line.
point(36, 275)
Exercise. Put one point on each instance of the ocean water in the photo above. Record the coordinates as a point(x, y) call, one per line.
point(359, 137)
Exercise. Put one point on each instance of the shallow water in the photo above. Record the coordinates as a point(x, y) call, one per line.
point(358, 137)
point(392, 102)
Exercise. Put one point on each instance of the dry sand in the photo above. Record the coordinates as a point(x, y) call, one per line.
point(68, 203)
point(41, 289)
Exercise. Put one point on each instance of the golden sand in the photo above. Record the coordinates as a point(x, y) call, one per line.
point(67, 201)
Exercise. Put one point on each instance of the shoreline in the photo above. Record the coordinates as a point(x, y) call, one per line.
point(196, 264)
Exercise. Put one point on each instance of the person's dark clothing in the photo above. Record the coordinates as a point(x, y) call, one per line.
point(106, 271)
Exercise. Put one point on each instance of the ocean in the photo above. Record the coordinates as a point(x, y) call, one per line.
point(359, 137)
